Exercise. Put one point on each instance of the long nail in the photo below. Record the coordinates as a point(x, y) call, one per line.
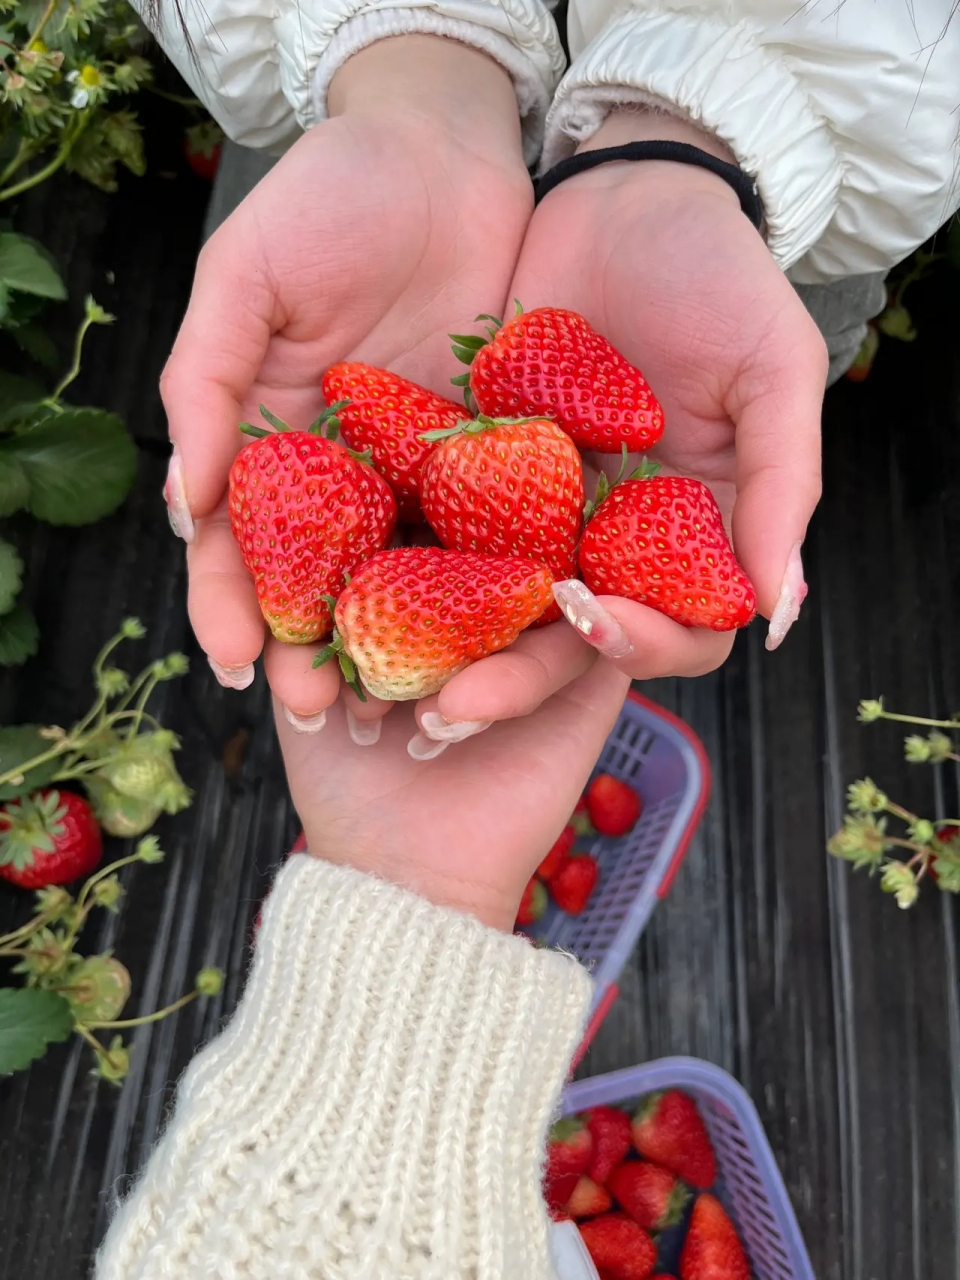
point(175, 496)
point(793, 591)
point(365, 733)
point(305, 724)
point(436, 734)
point(584, 612)
point(233, 677)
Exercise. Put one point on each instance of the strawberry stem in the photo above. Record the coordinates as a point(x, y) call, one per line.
point(141, 1022)
point(258, 433)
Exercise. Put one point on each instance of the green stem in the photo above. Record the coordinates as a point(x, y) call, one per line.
point(94, 1044)
point(48, 170)
point(102, 875)
point(12, 951)
point(138, 711)
point(25, 930)
point(906, 844)
point(150, 1017)
point(936, 724)
point(44, 19)
point(24, 153)
point(899, 812)
point(21, 770)
point(180, 99)
point(74, 370)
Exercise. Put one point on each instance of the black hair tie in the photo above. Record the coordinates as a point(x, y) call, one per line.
point(679, 152)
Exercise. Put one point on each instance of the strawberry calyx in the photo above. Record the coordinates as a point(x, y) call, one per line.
point(473, 427)
point(335, 648)
point(646, 470)
point(326, 424)
point(30, 825)
point(466, 346)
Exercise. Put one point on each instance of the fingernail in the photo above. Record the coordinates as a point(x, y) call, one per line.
point(584, 612)
point(303, 724)
point(233, 677)
point(436, 734)
point(363, 732)
point(793, 591)
point(175, 496)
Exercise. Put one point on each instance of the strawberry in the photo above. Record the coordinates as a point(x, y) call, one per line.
point(390, 416)
point(559, 850)
point(509, 487)
point(413, 617)
point(49, 837)
point(573, 884)
point(660, 540)
point(202, 146)
point(619, 1247)
point(613, 806)
point(587, 1200)
point(612, 1140)
point(859, 370)
point(305, 512)
point(553, 363)
point(533, 903)
point(650, 1194)
point(669, 1130)
point(712, 1249)
point(569, 1147)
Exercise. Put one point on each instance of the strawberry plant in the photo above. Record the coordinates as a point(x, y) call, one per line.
point(912, 848)
point(123, 758)
point(64, 465)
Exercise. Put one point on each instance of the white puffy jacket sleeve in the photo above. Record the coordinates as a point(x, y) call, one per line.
point(846, 113)
point(263, 70)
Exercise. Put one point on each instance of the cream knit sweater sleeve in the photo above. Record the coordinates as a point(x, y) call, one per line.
point(375, 1110)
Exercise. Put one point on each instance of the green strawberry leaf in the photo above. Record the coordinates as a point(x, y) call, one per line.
point(18, 744)
point(14, 485)
point(19, 636)
point(26, 266)
point(11, 571)
point(30, 1019)
point(80, 465)
point(18, 397)
point(37, 344)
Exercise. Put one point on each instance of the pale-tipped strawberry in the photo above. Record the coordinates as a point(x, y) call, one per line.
point(47, 838)
point(669, 1130)
point(390, 416)
point(553, 363)
point(660, 540)
point(305, 512)
point(588, 1200)
point(411, 618)
point(507, 487)
point(569, 1147)
point(712, 1249)
point(652, 1195)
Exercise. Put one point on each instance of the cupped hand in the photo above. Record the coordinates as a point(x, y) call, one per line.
point(467, 828)
point(381, 229)
point(660, 259)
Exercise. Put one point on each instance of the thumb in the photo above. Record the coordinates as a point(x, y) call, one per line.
point(776, 414)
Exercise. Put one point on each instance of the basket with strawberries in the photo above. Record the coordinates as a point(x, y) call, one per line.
point(501, 487)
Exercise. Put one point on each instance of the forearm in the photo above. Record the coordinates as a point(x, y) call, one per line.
point(380, 1098)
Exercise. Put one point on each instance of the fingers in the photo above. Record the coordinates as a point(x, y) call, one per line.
point(215, 359)
point(776, 409)
point(222, 601)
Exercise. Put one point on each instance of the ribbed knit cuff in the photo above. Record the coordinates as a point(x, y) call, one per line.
point(377, 1107)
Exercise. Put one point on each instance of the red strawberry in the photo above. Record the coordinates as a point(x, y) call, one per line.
point(49, 837)
point(569, 1147)
point(620, 1247)
point(660, 540)
point(669, 1130)
point(533, 903)
point(588, 1199)
point(859, 371)
point(612, 1139)
point(413, 617)
point(553, 363)
point(509, 488)
point(712, 1249)
point(573, 884)
point(613, 806)
point(561, 847)
point(305, 513)
point(390, 416)
point(202, 145)
point(651, 1195)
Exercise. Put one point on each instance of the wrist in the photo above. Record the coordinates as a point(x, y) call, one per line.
point(431, 82)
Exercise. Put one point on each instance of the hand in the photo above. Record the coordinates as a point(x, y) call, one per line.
point(659, 257)
point(468, 828)
point(381, 229)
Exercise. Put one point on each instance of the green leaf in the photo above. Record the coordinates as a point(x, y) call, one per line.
point(11, 575)
point(30, 1019)
point(26, 266)
point(14, 486)
point(37, 344)
point(16, 390)
point(18, 744)
point(80, 465)
point(19, 637)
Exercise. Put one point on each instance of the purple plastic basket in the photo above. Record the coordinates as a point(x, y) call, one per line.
point(748, 1181)
point(664, 760)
